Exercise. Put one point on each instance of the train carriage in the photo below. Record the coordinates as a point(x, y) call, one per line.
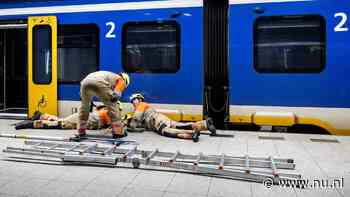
point(279, 63)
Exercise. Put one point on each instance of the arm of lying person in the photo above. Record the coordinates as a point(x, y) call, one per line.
point(134, 126)
point(135, 129)
point(128, 129)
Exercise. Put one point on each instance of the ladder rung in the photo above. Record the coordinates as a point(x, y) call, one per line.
point(37, 144)
point(273, 166)
point(73, 147)
point(199, 157)
point(89, 148)
point(53, 146)
point(153, 153)
point(247, 168)
point(222, 161)
point(129, 152)
point(173, 158)
point(109, 150)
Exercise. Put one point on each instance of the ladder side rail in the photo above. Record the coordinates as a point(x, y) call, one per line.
point(62, 145)
point(86, 158)
point(280, 160)
point(159, 153)
point(211, 171)
point(242, 163)
point(34, 153)
point(35, 150)
point(267, 164)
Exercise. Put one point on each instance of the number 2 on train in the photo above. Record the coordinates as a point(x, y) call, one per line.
point(342, 24)
point(110, 33)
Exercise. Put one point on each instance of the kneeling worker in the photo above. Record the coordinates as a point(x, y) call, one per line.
point(108, 87)
point(147, 117)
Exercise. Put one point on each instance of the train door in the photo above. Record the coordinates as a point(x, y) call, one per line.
point(216, 102)
point(13, 69)
point(42, 65)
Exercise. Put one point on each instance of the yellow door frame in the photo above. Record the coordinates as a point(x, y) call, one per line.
point(42, 96)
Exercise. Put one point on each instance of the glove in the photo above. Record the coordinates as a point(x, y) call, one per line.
point(115, 97)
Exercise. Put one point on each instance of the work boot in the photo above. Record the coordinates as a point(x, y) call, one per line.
point(195, 135)
point(211, 127)
point(118, 131)
point(25, 124)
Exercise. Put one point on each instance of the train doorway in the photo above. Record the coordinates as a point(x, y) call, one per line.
point(216, 101)
point(13, 70)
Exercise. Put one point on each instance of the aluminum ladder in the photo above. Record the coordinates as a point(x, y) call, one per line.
point(248, 168)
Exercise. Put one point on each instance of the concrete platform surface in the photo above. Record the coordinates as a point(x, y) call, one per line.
point(315, 160)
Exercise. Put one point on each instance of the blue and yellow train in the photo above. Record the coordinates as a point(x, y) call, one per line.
point(280, 63)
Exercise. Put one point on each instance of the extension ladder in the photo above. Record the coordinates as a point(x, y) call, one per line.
point(248, 168)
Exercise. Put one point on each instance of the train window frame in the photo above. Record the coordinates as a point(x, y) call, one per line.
point(37, 78)
point(304, 69)
point(98, 32)
point(173, 23)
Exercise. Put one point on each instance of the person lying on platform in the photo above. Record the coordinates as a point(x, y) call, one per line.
point(98, 119)
point(147, 117)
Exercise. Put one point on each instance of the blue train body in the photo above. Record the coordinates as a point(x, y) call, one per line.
point(316, 98)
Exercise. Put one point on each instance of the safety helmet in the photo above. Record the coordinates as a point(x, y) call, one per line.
point(125, 77)
point(136, 96)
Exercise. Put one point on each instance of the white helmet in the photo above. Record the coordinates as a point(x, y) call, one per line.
point(125, 77)
point(136, 96)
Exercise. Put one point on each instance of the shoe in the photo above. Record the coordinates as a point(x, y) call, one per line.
point(78, 137)
point(37, 115)
point(25, 124)
point(211, 127)
point(195, 136)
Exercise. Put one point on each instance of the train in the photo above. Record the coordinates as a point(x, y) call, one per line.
point(260, 63)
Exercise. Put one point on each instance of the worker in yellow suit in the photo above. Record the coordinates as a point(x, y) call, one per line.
point(147, 117)
point(108, 87)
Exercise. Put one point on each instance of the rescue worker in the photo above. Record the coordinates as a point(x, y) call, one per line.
point(108, 87)
point(147, 117)
point(98, 119)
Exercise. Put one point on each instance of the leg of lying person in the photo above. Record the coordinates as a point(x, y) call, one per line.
point(180, 133)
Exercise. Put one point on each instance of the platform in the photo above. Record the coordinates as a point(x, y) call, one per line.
point(317, 157)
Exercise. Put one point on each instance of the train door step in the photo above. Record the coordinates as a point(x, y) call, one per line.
point(15, 116)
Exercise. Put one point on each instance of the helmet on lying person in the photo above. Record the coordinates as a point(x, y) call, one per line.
point(136, 96)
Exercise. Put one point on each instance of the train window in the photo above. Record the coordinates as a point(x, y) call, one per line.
point(151, 47)
point(289, 44)
point(42, 52)
point(78, 53)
